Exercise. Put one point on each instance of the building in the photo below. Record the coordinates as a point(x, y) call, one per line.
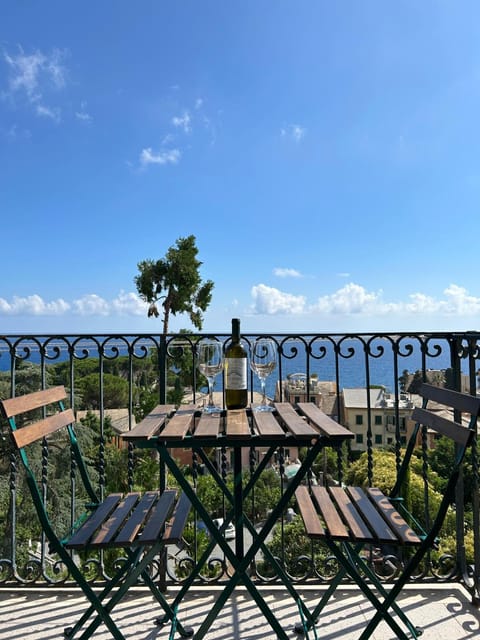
point(376, 409)
point(321, 392)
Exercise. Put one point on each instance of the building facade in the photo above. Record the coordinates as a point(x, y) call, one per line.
point(375, 411)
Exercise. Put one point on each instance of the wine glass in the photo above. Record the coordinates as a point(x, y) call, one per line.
point(210, 363)
point(263, 360)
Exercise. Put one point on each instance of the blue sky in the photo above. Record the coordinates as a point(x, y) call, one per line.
point(324, 154)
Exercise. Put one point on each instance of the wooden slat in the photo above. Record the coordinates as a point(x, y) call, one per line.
point(327, 425)
point(333, 522)
point(137, 519)
point(267, 425)
point(81, 538)
point(294, 423)
point(395, 521)
point(47, 426)
point(237, 424)
point(157, 518)
point(109, 529)
point(462, 401)
point(30, 401)
point(151, 424)
point(370, 514)
point(175, 527)
point(350, 515)
point(312, 523)
point(445, 427)
point(208, 426)
point(179, 424)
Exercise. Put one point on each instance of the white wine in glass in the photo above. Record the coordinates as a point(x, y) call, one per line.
point(210, 364)
point(263, 360)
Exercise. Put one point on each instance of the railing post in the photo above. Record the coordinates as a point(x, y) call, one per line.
point(162, 369)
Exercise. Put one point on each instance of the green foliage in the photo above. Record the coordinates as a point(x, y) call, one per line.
point(92, 421)
point(176, 280)
point(115, 391)
point(383, 467)
point(442, 460)
point(416, 382)
point(210, 494)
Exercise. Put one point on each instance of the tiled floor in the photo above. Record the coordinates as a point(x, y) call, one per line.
point(444, 613)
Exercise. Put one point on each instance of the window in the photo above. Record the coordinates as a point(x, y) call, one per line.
point(358, 419)
point(378, 438)
point(378, 420)
point(359, 438)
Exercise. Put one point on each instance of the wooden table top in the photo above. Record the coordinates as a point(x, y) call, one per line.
point(187, 426)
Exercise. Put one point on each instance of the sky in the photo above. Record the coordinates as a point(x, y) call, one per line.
point(325, 155)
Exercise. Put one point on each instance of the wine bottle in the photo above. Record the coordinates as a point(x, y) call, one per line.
point(236, 395)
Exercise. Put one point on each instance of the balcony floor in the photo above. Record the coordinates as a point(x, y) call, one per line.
point(444, 612)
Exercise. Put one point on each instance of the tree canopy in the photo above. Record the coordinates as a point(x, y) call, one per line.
point(175, 279)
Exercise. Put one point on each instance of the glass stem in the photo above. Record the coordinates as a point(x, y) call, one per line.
point(210, 392)
point(264, 395)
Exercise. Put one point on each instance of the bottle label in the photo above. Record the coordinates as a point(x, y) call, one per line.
point(236, 373)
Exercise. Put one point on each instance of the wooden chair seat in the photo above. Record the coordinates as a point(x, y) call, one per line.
point(140, 524)
point(353, 514)
point(347, 519)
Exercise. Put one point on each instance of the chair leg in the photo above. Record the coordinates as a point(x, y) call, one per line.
point(366, 570)
point(137, 566)
point(381, 607)
point(95, 601)
point(394, 592)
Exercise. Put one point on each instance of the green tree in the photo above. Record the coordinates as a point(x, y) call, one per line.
point(403, 380)
point(416, 382)
point(176, 281)
point(115, 391)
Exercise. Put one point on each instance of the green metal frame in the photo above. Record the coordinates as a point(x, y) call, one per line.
point(125, 577)
point(239, 559)
point(352, 564)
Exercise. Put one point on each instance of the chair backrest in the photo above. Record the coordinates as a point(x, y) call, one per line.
point(33, 417)
point(38, 429)
point(444, 413)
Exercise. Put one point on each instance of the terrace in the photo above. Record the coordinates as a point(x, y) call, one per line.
point(128, 373)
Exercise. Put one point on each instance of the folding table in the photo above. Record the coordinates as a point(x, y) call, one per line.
point(305, 426)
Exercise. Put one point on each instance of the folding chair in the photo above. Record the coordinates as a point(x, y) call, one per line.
point(141, 525)
point(347, 519)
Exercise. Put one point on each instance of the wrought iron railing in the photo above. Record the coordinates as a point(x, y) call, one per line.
point(113, 380)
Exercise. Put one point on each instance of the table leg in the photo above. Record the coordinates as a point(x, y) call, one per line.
point(238, 502)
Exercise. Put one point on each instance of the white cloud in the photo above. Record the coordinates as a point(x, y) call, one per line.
point(167, 156)
point(15, 133)
point(294, 131)
point(129, 304)
point(198, 103)
point(48, 112)
point(354, 300)
point(91, 305)
point(33, 305)
point(270, 301)
point(184, 122)
point(126, 303)
point(83, 114)
point(34, 76)
point(286, 273)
